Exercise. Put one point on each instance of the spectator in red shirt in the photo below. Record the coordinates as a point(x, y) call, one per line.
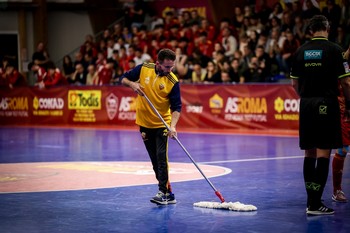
point(11, 77)
point(53, 78)
point(101, 59)
point(144, 37)
point(209, 29)
point(158, 31)
point(105, 73)
point(154, 49)
point(173, 43)
point(4, 82)
point(195, 31)
point(102, 47)
point(123, 59)
point(90, 49)
point(38, 71)
point(169, 20)
point(205, 46)
point(131, 52)
point(186, 31)
point(174, 31)
point(138, 43)
point(186, 46)
point(88, 39)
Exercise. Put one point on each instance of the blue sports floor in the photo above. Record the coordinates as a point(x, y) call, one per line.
point(266, 171)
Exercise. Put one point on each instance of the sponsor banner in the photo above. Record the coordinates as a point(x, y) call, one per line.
point(83, 103)
point(15, 106)
point(240, 106)
point(48, 106)
point(265, 106)
point(101, 105)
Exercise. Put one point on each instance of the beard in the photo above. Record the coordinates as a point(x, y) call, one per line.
point(162, 73)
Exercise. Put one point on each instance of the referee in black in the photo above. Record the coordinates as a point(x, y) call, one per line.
point(318, 66)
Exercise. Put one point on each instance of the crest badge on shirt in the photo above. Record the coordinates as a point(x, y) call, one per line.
point(161, 86)
point(147, 80)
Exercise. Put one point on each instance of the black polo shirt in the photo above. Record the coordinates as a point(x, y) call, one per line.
point(317, 65)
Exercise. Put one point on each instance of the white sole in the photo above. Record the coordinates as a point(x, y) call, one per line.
point(158, 202)
point(318, 213)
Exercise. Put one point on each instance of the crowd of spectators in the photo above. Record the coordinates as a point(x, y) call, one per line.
point(252, 46)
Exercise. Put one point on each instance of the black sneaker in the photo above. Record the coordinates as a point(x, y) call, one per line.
point(170, 198)
point(159, 199)
point(321, 210)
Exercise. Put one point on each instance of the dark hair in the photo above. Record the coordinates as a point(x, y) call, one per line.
point(318, 23)
point(30, 65)
point(166, 54)
point(50, 65)
point(203, 33)
point(110, 60)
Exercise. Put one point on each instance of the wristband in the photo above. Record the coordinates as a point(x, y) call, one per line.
point(347, 104)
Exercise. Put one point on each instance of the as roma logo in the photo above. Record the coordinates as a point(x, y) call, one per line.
point(111, 106)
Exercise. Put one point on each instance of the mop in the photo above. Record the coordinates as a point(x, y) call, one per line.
point(233, 206)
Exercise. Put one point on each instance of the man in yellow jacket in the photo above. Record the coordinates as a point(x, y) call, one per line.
point(161, 86)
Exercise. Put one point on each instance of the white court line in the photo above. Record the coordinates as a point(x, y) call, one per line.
point(49, 146)
point(253, 160)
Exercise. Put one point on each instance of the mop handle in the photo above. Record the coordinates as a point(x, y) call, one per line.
point(218, 194)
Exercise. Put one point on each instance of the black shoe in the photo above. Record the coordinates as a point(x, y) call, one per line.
point(321, 210)
point(159, 199)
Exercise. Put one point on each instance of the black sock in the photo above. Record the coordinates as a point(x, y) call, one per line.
point(322, 169)
point(309, 171)
point(316, 186)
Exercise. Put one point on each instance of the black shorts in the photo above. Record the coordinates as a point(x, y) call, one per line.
point(320, 125)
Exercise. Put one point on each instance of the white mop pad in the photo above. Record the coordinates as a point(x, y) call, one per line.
point(234, 206)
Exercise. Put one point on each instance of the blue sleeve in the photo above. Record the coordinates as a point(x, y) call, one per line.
point(175, 98)
point(133, 74)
